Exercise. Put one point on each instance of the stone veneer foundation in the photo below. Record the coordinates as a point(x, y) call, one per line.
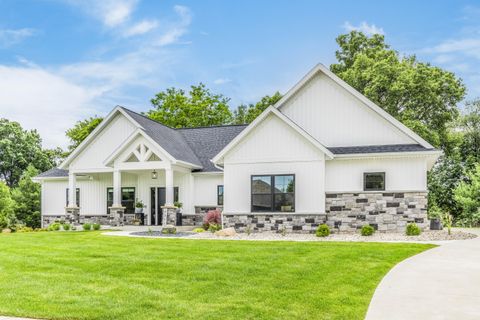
point(344, 212)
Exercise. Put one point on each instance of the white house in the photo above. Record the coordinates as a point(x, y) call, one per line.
point(323, 153)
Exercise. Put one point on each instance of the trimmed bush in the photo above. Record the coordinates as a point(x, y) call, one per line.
point(323, 231)
point(413, 230)
point(214, 227)
point(66, 226)
point(54, 227)
point(87, 227)
point(96, 226)
point(367, 230)
point(199, 230)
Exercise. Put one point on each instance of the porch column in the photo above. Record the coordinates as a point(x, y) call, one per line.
point(72, 190)
point(117, 188)
point(168, 187)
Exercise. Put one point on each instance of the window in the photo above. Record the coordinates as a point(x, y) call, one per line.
point(374, 181)
point(77, 196)
point(220, 195)
point(273, 193)
point(128, 199)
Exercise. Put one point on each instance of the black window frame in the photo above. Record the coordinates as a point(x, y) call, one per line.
point(365, 174)
point(77, 197)
point(220, 196)
point(131, 210)
point(272, 191)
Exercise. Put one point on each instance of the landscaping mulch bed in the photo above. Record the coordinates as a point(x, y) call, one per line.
point(159, 234)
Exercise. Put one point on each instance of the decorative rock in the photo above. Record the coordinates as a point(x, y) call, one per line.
point(228, 232)
point(6, 230)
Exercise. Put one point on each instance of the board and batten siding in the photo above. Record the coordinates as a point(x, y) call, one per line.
point(401, 174)
point(104, 144)
point(336, 118)
point(205, 189)
point(273, 147)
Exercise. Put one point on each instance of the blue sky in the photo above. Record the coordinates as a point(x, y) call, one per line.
point(64, 60)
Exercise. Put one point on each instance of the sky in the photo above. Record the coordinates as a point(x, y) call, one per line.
point(64, 60)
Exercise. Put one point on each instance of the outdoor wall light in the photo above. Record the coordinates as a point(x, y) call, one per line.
point(154, 174)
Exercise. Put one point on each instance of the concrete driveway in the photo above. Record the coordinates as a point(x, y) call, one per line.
point(442, 283)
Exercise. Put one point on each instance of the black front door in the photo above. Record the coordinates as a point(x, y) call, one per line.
point(161, 195)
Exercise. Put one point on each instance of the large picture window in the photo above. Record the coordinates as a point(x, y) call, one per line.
point(220, 195)
point(374, 181)
point(273, 193)
point(77, 196)
point(128, 199)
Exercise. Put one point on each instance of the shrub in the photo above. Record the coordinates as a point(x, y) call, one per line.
point(447, 220)
point(367, 230)
point(213, 218)
point(413, 230)
point(54, 226)
point(96, 226)
point(214, 227)
point(66, 226)
point(323, 231)
point(199, 230)
point(24, 229)
point(87, 227)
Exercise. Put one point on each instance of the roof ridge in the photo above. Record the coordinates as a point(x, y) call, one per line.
point(144, 116)
point(214, 126)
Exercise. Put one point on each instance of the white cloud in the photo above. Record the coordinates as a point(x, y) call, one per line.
point(9, 37)
point(142, 27)
point(111, 13)
point(39, 99)
point(220, 81)
point(466, 46)
point(368, 29)
point(179, 29)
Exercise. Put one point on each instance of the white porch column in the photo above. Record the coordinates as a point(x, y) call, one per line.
point(168, 187)
point(117, 188)
point(72, 190)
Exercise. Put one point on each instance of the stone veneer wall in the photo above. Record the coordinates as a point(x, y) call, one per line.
point(345, 212)
point(385, 211)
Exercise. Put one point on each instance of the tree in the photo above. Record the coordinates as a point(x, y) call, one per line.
point(469, 126)
point(199, 107)
point(27, 199)
point(7, 217)
point(244, 114)
point(467, 194)
point(18, 149)
point(443, 179)
point(422, 96)
point(81, 130)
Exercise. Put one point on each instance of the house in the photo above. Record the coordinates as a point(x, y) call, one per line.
point(323, 153)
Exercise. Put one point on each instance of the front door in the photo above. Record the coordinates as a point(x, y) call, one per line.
point(156, 212)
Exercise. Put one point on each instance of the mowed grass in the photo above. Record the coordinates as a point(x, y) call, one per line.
point(86, 275)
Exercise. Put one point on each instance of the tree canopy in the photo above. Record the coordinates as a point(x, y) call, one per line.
point(27, 199)
point(81, 130)
point(19, 149)
point(196, 108)
point(422, 96)
point(246, 114)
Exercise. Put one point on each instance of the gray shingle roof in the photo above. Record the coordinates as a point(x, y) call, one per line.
point(53, 173)
point(379, 149)
point(207, 142)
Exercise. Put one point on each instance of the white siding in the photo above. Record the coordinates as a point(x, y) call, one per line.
point(109, 139)
point(205, 189)
point(401, 174)
point(273, 147)
point(272, 141)
point(336, 118)
point(309, 184)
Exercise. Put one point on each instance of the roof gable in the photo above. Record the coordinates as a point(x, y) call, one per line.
point(395, 125)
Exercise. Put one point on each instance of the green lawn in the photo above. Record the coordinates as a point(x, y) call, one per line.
point(85, 275)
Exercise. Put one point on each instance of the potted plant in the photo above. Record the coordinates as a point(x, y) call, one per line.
point(179, 206)
point(136, 222)
point(139, 206)
point(435, 216)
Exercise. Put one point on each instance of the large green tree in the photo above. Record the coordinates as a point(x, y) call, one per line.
point(469, 128)
point(246, 114)
point(422, 96)
point(7, 218)
point(18, 149)
point(195, 108)
point(27, 199)
point(467, 194)
point(81, 130)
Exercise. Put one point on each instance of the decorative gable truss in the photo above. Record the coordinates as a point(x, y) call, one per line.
point(139, 152)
